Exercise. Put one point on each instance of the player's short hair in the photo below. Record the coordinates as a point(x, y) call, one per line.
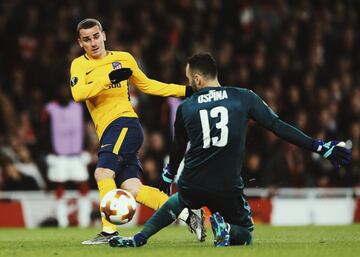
point(204, 63)
point(88, 23)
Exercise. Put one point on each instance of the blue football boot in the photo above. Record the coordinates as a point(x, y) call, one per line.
point(221, 230)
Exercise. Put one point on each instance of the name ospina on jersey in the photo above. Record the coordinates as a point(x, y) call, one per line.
point(212, 96)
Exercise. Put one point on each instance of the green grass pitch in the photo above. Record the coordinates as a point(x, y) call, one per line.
point(176, 241)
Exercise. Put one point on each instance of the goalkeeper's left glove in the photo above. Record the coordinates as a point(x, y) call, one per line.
point(166, 179)
point(334, 151)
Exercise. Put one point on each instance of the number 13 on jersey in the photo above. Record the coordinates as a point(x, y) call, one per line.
point(216, 112)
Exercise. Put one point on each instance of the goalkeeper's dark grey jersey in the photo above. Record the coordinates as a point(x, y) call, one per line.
point(214, 120)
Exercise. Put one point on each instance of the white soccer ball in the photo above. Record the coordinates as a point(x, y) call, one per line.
point(118, 206)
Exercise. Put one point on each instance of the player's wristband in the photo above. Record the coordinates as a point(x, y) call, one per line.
point(167, 176)
point(166, 179)
point(317, 145)
point(325, 149)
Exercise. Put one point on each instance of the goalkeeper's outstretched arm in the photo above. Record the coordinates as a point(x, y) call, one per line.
point(335, 151)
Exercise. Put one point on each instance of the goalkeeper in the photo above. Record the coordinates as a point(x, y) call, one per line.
point(214, 120)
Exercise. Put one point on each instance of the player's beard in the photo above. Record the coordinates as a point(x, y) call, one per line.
point(193, 85)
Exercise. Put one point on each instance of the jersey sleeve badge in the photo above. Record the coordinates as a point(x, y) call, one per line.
point(73, 81)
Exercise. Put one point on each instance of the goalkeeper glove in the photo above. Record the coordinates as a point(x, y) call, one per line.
point(118, 75)
point(166, 179)
point(334, 151)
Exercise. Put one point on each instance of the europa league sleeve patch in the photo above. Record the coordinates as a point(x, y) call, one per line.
point(73, 81)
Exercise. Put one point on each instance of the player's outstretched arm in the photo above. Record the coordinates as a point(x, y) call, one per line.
point(334, 151)
point(154, 87)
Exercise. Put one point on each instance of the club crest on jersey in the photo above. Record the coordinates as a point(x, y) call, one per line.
point(116, 65)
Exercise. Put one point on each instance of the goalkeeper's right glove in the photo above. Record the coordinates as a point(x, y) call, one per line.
point(118, 75)
point(166, 180)
point(334, 151)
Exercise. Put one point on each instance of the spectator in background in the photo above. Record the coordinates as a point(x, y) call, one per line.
point(150, 172)
point(276, 47)
point(354, 169)
point(63, 128)
point(13, 180)
point(27, 166)
point(92, 146)
point(275, 171)
point(7, 115)
point(157, 148)
point(252, 174)
point(169, 113)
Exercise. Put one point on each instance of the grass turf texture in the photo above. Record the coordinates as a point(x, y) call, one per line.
point(176, 241)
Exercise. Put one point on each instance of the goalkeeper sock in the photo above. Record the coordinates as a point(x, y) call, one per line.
point(166, 215)
point(106, 185)
point(140, 239)
point(151, 197)
point(240, 235)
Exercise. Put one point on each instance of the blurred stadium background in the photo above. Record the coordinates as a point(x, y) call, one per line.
point(303, 57)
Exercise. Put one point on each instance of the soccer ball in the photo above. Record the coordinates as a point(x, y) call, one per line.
point(118, 206)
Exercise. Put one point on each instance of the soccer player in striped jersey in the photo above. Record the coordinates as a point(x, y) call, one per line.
point(100, 78)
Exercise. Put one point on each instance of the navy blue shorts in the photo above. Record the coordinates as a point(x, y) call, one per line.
point(119, 146)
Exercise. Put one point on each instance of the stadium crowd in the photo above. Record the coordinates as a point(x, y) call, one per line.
point(302, 57)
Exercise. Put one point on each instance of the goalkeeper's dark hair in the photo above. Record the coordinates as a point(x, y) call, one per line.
point(88, 23)
point(204, 63)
